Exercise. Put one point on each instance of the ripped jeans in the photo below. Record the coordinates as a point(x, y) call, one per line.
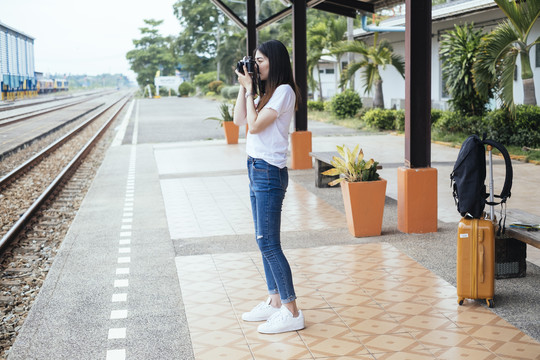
point(267, 186)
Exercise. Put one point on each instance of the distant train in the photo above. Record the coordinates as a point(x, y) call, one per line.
point(45, 86)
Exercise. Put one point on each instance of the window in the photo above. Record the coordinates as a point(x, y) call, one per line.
point(329, 71)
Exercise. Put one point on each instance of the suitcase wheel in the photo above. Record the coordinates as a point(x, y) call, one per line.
point(490, 303)
point(460, 301)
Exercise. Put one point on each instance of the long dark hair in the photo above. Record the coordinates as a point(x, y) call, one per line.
point(279, 72)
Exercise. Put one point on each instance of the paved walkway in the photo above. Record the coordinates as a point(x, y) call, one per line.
point(161, 262)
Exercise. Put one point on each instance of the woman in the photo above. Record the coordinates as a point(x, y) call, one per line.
point(268, 118)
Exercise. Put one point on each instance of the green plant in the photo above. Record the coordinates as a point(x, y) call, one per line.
point(383, 119)
point(436, 115)
point(498, 54)
point(185, 89)
point(374, 59)
point(215, 86)
point(315, 105)
point(400, 120)
point(230, 92)
point(203, 80)
point(225, 112)
point(352, 167)
point(346, 104)
point(458, 51)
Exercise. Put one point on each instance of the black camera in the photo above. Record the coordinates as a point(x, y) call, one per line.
point(249, 63)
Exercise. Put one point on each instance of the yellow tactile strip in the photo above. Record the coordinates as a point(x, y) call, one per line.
point(217, 206)
point(367, 301)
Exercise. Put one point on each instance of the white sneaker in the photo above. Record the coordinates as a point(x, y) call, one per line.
point(281, 322)
point(260, 312)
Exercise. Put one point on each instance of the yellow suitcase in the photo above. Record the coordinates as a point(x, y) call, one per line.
point(476, 260)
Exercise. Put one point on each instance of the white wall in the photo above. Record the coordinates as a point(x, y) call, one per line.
point(394, 84)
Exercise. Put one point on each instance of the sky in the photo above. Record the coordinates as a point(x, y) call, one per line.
point(85, 37)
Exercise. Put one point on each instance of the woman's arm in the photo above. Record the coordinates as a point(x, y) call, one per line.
point(240, 107)
point(245, 107)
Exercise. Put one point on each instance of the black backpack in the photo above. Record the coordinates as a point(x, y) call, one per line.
point(469, 175)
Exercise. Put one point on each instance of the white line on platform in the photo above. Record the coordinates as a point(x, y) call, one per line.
point(122, 271)
point(118, 314)
point(119, 297)
point(121, 283)
point(124, 260)
point(117, 333)
point(124, 242)
point(136, 126)
point(123, 126)
point(119, 354)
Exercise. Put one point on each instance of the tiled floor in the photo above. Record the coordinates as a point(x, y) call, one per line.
point(366, 301)
point(214, 206)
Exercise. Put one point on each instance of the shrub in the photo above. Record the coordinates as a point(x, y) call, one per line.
point(499, 126)
point(230, 92)
point(315, 105)
point(380, 118)
point(400, 120)
point(346, 104)
point(202, 81)
point(527, 125)
point(436, 115)
point(215, 86)
point(185, 89)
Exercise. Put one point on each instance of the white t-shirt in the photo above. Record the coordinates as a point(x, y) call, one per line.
point(272, 143)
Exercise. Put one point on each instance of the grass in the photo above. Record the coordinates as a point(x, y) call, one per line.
point(451, 139)
point(327, 117)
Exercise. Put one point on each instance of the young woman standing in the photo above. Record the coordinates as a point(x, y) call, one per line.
point(268, 118)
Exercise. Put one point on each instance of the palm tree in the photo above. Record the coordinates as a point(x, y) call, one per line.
point(316, 41)
point(374, 58)
point(458, 49)
point(322, 36)
point(494, 70)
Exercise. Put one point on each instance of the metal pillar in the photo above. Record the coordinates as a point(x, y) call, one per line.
point(300, 61)
point(418, 84)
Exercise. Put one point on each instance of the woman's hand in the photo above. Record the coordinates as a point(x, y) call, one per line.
point(245, 80)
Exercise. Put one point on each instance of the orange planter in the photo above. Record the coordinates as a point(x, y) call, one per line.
point(231, 132)
point(364, 206)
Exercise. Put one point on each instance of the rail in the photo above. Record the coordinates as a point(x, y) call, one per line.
point(68, 169)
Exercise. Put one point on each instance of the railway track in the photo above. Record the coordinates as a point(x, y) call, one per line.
point(10, 120)
point(38, 201)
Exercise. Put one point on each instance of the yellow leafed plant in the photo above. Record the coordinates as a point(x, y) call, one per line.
point(352, 167)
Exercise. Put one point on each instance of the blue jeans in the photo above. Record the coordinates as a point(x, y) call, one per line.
point(267, 187)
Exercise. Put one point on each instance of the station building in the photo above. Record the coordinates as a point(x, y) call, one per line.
point(484, 14)
point(17, 71)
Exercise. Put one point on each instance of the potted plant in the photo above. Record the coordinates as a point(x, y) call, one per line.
point(363, 191)
point(226, 121)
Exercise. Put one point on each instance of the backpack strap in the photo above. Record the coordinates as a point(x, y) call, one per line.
point(506, 191)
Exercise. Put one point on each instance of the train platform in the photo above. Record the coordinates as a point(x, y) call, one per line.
point(161, 260)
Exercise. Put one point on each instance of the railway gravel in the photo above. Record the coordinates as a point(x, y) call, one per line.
point(24, 264)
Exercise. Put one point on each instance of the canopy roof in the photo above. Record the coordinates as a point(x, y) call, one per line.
point(349, 8)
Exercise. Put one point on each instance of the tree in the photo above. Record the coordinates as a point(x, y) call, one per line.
point(497, 58)
point(458, 49)
point(323, 33)
point(374, 58)
point(197, 43)
point(152, 52)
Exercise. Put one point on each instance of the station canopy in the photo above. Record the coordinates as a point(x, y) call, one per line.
point(270, 11)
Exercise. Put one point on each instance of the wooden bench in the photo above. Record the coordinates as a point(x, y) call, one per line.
point(323, 163)
point(519, 216)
